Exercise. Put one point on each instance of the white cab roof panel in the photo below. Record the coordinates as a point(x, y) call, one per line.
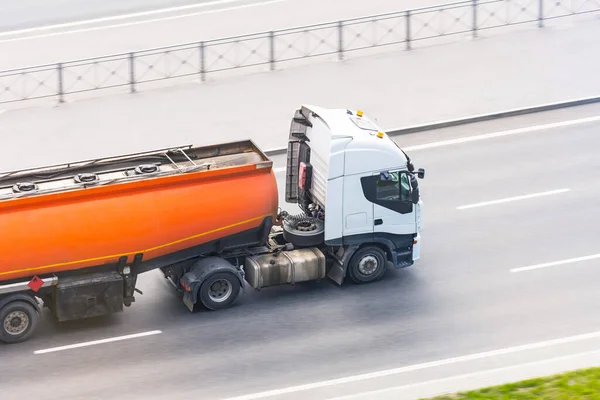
point(355, 145)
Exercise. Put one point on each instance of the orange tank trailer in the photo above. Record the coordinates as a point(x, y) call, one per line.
point(72, 229)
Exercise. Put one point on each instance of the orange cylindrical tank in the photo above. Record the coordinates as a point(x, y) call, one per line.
point(69, 230)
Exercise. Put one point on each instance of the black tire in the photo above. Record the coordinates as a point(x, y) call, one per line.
point(18, 320)
point(311, 234)
point(368, 264)
point(219, 291)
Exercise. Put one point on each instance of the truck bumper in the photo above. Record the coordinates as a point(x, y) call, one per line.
point(402, 258)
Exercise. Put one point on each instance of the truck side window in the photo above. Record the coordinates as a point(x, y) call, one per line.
point(393, 186)
point(390, 190)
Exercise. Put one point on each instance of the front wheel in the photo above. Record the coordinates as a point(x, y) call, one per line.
point(367, 264)
point(18, 320)
point(219, 291)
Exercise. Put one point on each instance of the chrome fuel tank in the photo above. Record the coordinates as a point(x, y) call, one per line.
point(285, 267)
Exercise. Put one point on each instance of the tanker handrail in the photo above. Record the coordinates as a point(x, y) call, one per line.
point(166, 154)
point(92, 161)
point(168, 161)
point(98, 184)
point(123, 157)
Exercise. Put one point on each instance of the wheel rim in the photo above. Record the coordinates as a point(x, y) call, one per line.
point(368, 265)
point(220, 290)
point(306, 226)
point(16, 322)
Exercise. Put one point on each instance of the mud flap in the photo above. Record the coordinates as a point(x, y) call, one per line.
point(338, 270)
point(188, 301)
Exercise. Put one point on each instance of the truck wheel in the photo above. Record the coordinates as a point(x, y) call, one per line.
point(219, 291)
point(367, 264)
point(18, 320)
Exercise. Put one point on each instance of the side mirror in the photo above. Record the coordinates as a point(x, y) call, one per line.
point(414, 190)
point(421, 173)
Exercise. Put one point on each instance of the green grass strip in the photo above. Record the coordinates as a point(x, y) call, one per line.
point(583, 384)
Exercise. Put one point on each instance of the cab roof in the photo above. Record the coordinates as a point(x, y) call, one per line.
point(356, 143)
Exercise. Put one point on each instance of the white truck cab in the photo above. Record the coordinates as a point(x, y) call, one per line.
point(343, 167)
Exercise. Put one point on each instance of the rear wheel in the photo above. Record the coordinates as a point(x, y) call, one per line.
point(367, 264)
point(18, 320)
point(220, 291)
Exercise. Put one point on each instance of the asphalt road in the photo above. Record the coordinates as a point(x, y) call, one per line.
point(33, 13)
point(461, 298)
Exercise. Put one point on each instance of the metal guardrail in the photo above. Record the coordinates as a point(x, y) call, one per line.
point(269, 48)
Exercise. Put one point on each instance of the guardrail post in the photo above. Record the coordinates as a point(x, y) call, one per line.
point(408, 38)
point(541, 14)
point(132, 72)
point(474, 19)
point(340, 40)
point(61, 90)
point(272, 49)
point(202, 65)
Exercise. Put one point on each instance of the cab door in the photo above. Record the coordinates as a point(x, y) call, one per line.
point(393, 209)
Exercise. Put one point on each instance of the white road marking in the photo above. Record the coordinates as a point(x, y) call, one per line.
point(516, 198)
point(468, 375)
point(528, 129)
point(416, 367)
point(278, 170)
point(145, 21)
point(554, 263)
point(96, 342)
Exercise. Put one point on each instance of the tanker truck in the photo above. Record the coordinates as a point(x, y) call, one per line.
point(76, 236)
